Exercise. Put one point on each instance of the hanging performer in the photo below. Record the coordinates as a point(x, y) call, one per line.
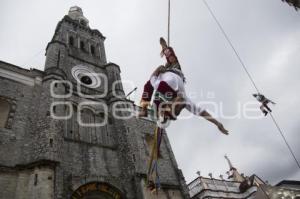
point(170, 97)
point(172, 65)
point(264, 103)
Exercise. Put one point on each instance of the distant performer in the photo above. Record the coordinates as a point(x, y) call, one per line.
point(264, 103)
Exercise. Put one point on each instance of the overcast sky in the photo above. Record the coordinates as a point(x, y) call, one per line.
point(265, 32)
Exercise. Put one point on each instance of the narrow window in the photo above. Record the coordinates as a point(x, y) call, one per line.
point(110, 121)
point(4, 112)
point(66, 89)
point(71, 41)
point(51, 142)
point(93, 50)
point(82, 45)
point(35, 179)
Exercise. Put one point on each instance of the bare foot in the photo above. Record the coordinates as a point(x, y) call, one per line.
point(222, 129)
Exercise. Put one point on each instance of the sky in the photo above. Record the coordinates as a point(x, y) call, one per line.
point(265, 33)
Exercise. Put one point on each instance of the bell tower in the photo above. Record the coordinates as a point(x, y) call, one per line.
point(76, 51)
point(74, 37)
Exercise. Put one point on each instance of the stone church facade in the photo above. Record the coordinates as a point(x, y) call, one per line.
point(49, 148)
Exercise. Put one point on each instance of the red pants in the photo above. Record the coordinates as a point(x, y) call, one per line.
point(164, 94)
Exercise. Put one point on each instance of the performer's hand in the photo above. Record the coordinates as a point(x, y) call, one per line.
point(222, 129)
point(167, 65)
point(158, 70)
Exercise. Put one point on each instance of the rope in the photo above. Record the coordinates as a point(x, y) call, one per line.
point(150, 168)
point(231, 45)
point(247, 72)
point(286, 142)
point(153, 162)
point(153, 176)
point(169, 19)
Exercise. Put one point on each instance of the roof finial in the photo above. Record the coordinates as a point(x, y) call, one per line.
point(221, 177)
point(76, 13)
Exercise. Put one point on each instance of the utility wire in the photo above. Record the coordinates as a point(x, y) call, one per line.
point(244, 66)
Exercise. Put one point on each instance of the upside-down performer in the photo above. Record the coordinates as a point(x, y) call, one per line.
point(170, 97)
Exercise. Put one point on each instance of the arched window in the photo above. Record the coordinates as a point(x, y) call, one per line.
point(4, 112)
point(92, 50)
point(71, 41)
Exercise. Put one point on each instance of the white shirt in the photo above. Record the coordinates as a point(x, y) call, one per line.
point(177, 84)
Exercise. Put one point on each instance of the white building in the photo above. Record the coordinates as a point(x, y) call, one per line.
point(238, 186)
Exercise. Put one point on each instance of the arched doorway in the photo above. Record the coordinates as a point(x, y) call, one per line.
point(97, 190)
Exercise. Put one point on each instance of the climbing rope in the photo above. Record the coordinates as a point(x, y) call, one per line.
point(153, 180)
point(249, 75)
point(169, 19)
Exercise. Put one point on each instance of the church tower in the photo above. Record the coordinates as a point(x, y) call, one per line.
point(68, 132)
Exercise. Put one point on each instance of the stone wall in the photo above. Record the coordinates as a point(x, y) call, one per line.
point(16, 139)
point(33, 183)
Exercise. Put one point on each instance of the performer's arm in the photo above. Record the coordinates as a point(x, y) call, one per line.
point(270, 101)
point(158, 70)
point(162, 53)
